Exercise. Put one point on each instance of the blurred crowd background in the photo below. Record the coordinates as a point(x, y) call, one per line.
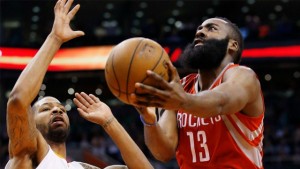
point(172, 23)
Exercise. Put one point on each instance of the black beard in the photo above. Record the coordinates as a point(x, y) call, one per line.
point(205, 57)
point(57, 135)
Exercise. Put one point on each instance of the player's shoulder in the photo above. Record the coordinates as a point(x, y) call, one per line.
point(241, 73)
point(241, 69)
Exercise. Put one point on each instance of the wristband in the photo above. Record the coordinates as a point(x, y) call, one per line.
point(147, 124)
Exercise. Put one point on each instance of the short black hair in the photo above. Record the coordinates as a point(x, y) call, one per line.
point(236, 35)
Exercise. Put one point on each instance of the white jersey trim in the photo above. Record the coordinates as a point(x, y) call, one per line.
point(251, 135)
point(253, 153)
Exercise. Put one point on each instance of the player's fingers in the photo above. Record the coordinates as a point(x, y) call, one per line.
point(146, 100)
point(145, 89)
point(173, 74)
point(159, 79)
point(82, 113)
point(80, 97)
point(57, 5)
point(146, 104)
point(67, 6)
point(78, 33)
point(72, 13)
point(149, 90)
point(140, 98)
point(79, 104)
point(87, 98)
point(61, 5)
point(95, 99)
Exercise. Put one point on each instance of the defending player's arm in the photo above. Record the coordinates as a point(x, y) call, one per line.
point(93, 110)
point(20, 123)
point(240, 91)
point(161, 138)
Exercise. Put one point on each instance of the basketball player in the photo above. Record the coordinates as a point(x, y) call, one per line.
point(37, 134)
point(213, 118)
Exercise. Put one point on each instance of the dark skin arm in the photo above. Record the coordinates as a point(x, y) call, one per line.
point(240, 91)
point(162, 138)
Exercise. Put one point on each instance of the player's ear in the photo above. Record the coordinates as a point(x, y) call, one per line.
point(233, 46)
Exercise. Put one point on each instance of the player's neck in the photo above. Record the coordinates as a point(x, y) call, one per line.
point(209, 76)
point(59, 149)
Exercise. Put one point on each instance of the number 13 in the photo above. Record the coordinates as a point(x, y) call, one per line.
point(201, 138)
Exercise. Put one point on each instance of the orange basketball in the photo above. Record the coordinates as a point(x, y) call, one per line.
point(127, 64)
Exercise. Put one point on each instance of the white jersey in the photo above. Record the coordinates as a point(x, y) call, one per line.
point(53, 161)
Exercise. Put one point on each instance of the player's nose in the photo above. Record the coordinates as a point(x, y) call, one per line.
point(56, 110)
point(200, 33)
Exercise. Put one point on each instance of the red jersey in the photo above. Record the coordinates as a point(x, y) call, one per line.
point(224, 141)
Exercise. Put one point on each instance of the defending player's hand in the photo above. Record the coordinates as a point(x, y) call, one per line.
point(63, 15)
point(167, 95)
point(91, 108)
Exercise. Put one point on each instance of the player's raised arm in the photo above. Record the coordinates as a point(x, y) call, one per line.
point(92, 109)
point(22, 131)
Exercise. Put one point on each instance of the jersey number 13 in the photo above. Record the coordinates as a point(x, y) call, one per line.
point(201, 140)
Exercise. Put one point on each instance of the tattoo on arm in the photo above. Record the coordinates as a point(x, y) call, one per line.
point(21, 131)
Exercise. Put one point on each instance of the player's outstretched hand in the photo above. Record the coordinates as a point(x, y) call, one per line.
point(63, 15)
point(91, 108)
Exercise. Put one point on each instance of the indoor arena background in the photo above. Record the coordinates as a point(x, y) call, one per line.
point(271, 29)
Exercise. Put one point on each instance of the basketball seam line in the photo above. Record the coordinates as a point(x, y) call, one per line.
point(115, 75)
point(155, 64)
point(129, 69)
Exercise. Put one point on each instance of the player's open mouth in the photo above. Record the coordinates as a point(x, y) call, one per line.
point(198, 42)
point(57, 120)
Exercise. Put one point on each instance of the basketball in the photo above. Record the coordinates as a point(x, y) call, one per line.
point(128, 62)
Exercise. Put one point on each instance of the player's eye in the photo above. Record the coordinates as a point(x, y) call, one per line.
point(45, 109)
point(212, 28)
